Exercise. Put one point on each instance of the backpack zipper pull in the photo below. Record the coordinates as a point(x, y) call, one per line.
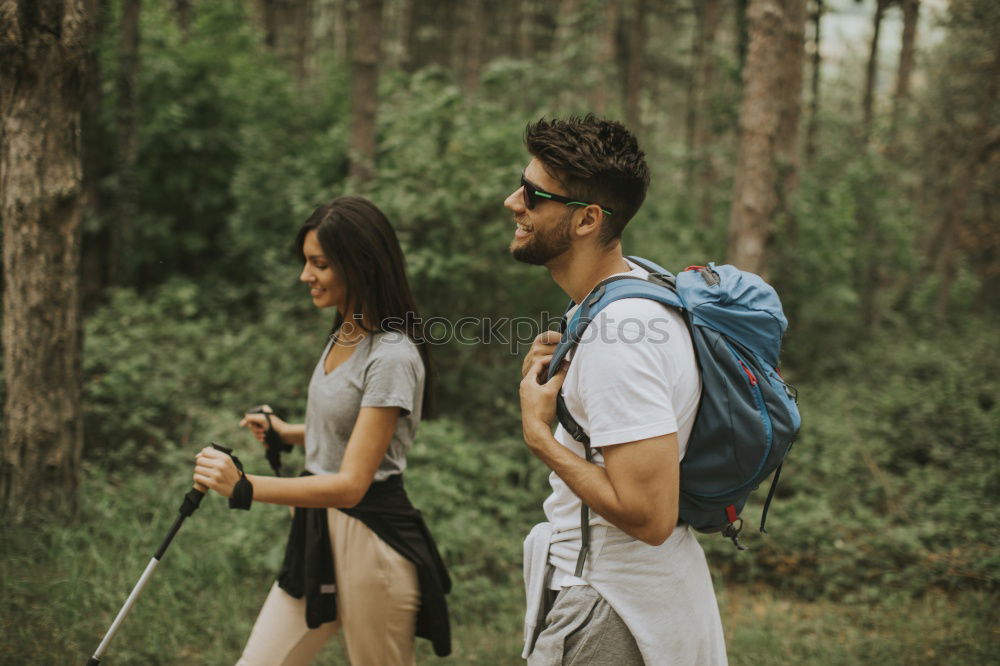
point(732, 531)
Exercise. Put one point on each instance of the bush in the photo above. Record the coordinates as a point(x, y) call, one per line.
point(887, 486)
point(154, 363)
point(480, 499)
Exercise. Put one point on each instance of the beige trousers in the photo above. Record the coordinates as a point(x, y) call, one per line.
point(377, 601)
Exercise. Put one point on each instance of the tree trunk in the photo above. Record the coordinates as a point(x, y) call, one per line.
point(911, 15)
point(636, 55)
point(699, 108)
point(767, 126)
point(871, 73)
point(526, 35)
point(341, 30)
point(287, 27)
point(742, 40)
point(94, 247)
point(567, 20)
point(983, 146)
point(127, 143)
point(607, 49)
point(183, 13)
point(817, 64)
point(266, 11)
point(398, 34)
point(300, 51)
point(475, 36)
point(364, 89)
point(790, 87)
point(43, 53)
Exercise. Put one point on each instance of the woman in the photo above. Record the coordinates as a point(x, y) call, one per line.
point(359, 557)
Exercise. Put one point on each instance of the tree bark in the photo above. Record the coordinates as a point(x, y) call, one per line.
point(814, 87)
point(790, 87)
point(699, 108)
point(607, 50)
point(43, 53)
point(364, 90)
point(871, 73)
point(767, 128)
point(567, 19)
point(301, 35)
point(183, 13)
point(983, 147)
point(911, 16)
point(266, 11)
point(475, 36)
point(287, 27)
point(526, 35)
point(127, 143)
point(398, 34)
point(636, 64)
point(742, 40)
point(341, 30)
point(94, 247)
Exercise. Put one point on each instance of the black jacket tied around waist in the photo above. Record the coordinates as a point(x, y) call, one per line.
point(386, 510)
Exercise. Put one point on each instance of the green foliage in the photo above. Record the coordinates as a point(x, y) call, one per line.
point(888, 489)
point(63, 582)
point(455, 232)
point(154, 363)
point(480, 498)
point(890, 484)
point(851, 249)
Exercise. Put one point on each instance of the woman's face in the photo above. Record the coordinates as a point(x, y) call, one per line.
point(325, 286)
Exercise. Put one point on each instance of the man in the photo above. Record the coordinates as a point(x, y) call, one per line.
point(644, 594)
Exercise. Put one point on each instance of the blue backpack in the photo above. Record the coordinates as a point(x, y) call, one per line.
point(747, 418)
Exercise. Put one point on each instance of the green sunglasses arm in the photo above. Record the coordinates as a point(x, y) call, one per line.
point(570, 203)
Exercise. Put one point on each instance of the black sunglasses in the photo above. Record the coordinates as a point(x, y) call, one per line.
point(532, 192)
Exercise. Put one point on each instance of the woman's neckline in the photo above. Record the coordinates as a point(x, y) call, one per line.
point(352, 344)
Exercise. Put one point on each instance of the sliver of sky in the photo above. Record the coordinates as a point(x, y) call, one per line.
point(846, 32)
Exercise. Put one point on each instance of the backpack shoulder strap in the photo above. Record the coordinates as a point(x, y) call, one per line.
point(660, 288)
point(650, 266)
point(606, 293)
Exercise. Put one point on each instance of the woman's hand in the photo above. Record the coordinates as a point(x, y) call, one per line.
point(538, 401)
point(216, 471)
point(257, 423)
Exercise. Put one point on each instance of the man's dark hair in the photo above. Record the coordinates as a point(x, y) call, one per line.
point(596, 160)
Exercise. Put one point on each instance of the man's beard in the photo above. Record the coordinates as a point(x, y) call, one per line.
point(543, 247)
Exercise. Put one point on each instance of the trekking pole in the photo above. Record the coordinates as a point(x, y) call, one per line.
point(191, 501)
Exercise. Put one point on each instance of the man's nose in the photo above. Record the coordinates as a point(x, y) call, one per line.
point(515, 201)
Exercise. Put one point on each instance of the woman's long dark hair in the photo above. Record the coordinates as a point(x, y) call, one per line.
point(361, 244)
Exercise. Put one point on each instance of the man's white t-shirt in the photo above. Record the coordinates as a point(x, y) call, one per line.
point(633, 376)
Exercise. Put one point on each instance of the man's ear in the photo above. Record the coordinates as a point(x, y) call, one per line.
point(590, 221)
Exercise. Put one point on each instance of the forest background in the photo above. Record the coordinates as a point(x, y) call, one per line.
point(158, 156)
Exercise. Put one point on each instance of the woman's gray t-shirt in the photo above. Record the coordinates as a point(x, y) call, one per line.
point(385, 370)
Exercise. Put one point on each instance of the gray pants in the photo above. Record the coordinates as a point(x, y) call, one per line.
point(582, 628)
